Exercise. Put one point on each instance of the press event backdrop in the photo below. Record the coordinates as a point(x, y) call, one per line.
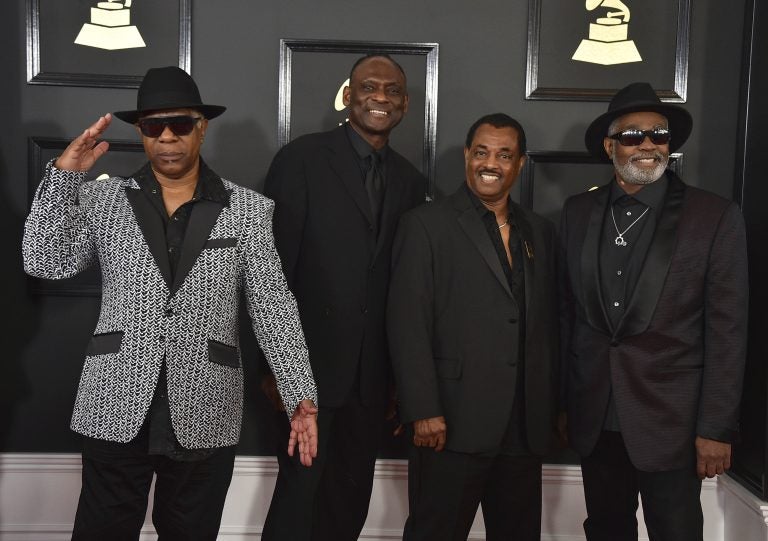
point(235, 54)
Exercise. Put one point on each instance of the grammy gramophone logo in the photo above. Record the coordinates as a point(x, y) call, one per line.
point(338, 103)
point(608, 43)
point(110, 27)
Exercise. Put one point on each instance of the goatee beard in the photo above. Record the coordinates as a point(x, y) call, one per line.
point(631, 174)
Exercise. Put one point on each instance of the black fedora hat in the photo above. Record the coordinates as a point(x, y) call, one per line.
point(168, 88)
point(634, 98)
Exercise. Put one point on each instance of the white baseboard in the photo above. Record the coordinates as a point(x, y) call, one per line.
point(39, 492)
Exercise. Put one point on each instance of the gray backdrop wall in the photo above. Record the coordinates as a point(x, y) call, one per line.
point(235, 48)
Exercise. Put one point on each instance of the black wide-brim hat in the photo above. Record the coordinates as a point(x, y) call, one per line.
point(634, 98)
point(168, 88)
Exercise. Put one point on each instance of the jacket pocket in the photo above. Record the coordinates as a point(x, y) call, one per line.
point(104, 344)
point(448, 368)
point(223, 354)
point(220, 243)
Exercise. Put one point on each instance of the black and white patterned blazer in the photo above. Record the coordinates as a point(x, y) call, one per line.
point(145, 317)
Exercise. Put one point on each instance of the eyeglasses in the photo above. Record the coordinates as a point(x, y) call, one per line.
point(634, 137)
point(180, 125)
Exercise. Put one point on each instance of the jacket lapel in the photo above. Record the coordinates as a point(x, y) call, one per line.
point(204, 214)
point(592, 294)
point(653, 275)
point(525, 233)
point(472, 225)
point(151, 225)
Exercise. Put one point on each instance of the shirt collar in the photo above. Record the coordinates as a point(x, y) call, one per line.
point(209, 184)
point(482, 209)
point(651, 195)
point(362, 148)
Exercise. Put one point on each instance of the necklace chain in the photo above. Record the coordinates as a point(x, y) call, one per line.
point(620, 239)
point(505, 224)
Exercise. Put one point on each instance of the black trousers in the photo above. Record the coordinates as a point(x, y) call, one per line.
point(671, 499)
point(329, 500)
point(445, 489)
point(188, 501)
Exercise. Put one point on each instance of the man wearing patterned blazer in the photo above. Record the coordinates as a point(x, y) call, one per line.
point(655, 283)
point(161, 389)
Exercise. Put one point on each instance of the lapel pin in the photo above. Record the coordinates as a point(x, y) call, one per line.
point(528, 249)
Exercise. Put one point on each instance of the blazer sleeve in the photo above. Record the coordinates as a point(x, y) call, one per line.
point(726, 301)
point(275, 316)
point(410, 321)
point(286, 186)
point(57, 242)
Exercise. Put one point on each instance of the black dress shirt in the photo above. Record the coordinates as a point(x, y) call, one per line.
point(620, 265)
point(514, 442)
point(158, 426)
point(364, 152)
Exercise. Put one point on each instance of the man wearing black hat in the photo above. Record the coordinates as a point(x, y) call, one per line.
point(655, 308)
point(162, 385)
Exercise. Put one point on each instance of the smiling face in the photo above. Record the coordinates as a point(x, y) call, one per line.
point(172, 156)
point(377, 99)
point(641, 164)
point(493, 161)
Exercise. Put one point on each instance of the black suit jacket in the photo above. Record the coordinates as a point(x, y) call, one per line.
point(453, 325)
point(334, 263)
point(675, 360)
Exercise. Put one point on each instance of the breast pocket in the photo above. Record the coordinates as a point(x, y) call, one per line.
point(220, 243)
point(104, 344)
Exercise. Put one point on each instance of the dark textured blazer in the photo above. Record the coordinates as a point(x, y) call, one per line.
point(453, 325)
point(675, 360)
point(336, 266)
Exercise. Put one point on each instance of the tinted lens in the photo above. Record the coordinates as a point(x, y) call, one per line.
point(659, 137)
point(180, 125)
point(632, 138)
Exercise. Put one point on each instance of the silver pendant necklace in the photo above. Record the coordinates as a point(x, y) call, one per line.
point(620, 239)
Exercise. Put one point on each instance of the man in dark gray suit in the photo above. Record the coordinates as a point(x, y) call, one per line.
point(473, 331)
point(655, 290)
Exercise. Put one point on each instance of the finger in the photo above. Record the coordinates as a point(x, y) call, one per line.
point(701, 470)
point(440, 442)
point(100, 149)
point(291, 442)
point(711, 469)
point(98, 127)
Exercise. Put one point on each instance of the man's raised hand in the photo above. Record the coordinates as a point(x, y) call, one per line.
point(84, 150)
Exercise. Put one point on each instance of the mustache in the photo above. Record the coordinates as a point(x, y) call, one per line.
point(658, 156)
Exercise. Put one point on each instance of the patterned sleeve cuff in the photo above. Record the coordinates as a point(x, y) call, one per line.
point(65, 182)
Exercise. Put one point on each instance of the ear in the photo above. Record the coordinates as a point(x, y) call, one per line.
point(345, 96)
point(405, 104)
point(466, 156)
point(203, 126)
point(521, 164)
point(608, 145)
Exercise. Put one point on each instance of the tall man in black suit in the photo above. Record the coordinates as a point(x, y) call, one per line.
point(339, 196)
point(656, 297)
point(473, 328)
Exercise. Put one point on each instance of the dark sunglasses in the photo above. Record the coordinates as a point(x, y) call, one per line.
point(633, 137)
point(180, 125)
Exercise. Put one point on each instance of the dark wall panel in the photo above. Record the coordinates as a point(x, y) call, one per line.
point(235, 50)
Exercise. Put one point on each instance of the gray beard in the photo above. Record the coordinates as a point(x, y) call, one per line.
point(631, 174)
